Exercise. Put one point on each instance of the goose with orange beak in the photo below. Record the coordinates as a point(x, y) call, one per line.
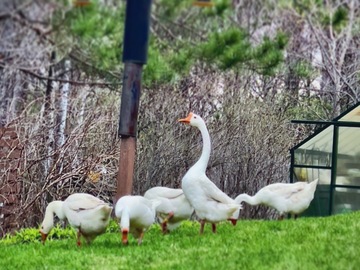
point(87, 214)
point(286, 198)
point(210, 203)
point(136, 215)
point(173, 209)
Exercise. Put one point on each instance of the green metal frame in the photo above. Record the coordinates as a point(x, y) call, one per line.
point(334, 154)
point(333, 167)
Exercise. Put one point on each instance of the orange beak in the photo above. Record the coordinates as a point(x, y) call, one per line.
point(43, 237)
point(233, 221)
point(187, 119)
point(125, 237)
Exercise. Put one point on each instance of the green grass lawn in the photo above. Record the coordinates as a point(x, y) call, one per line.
point(306, 243)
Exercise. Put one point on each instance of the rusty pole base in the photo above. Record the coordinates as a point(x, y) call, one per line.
point(126, 167)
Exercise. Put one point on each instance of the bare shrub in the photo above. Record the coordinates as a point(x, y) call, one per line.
point(86, 162)
point(250, 138)
point(250, 142)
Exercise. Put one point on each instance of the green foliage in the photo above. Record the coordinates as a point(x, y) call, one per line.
point(310, 109)
point(170, 9)
point(340, 17)
point(220, 8)
point(113, 226)
point(226, 49)
point(157, 69)
point(8, 239)
point(61, 233)
point(32, 235)
point(269, 54)
point(28, 235)
point(303, 69)
point(306, 6)
point(181, 61)
point(252, 244)
point(95, 33)
point(232, 48)
point(337, 20)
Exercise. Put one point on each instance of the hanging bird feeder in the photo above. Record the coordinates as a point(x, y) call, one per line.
point(81, 3)
point(203, 3)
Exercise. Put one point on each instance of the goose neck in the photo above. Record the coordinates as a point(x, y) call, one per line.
point(252, 200)
point(125, 219)
point(206, 150)
point(54, 207)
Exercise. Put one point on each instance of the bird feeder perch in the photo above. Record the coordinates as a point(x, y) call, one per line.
point(203, 3)
point(81, 3)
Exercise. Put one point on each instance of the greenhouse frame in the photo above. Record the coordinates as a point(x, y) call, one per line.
point(332, 155)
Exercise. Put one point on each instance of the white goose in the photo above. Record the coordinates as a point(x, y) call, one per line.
point(87, 214)
point(136, 215)
point(210, 203)
point(173, 209)
point(289, 198)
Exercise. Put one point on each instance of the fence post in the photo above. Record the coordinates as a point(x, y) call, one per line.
point(136, 38)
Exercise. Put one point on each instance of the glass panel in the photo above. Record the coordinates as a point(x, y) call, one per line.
point(319, 206)
point(353, 115)
point(312, 157)
point(310, 174)
point(348, 161)
point(321, 142)
point(346, 200)
point(349, 141)
point(316, 151)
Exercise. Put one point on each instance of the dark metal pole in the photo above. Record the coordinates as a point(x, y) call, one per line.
point(127, 128)
point(292, 162)
point(333, 167)
point(335, 123)
point(136, 38)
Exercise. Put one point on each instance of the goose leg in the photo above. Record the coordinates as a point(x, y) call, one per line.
point(202, 224)
point(78, 242)
point(281, 217)
point(213, 226)
point(88, 239)
point(165, 221)
point(140, 238)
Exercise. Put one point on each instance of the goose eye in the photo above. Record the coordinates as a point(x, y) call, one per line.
point(194, 117)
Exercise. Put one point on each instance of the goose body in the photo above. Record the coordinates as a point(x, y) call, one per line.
point(210, 203)
point(174, 206)
point(292, 198)
point(136, 215)
point(87, 214)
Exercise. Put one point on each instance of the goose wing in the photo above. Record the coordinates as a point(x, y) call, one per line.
point(82, 201)
point(163, 192)
point(212, 192)
point(286, 190)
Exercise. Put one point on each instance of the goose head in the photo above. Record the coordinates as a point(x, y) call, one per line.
point(193, 120)
point(45, 229)
point(54, 207)
point(124, 238)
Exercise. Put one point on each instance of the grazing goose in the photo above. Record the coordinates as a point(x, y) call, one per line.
point(87, 214)
point(173, 209)
point(210, 203)
point(289, 198)
point(136, 215)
